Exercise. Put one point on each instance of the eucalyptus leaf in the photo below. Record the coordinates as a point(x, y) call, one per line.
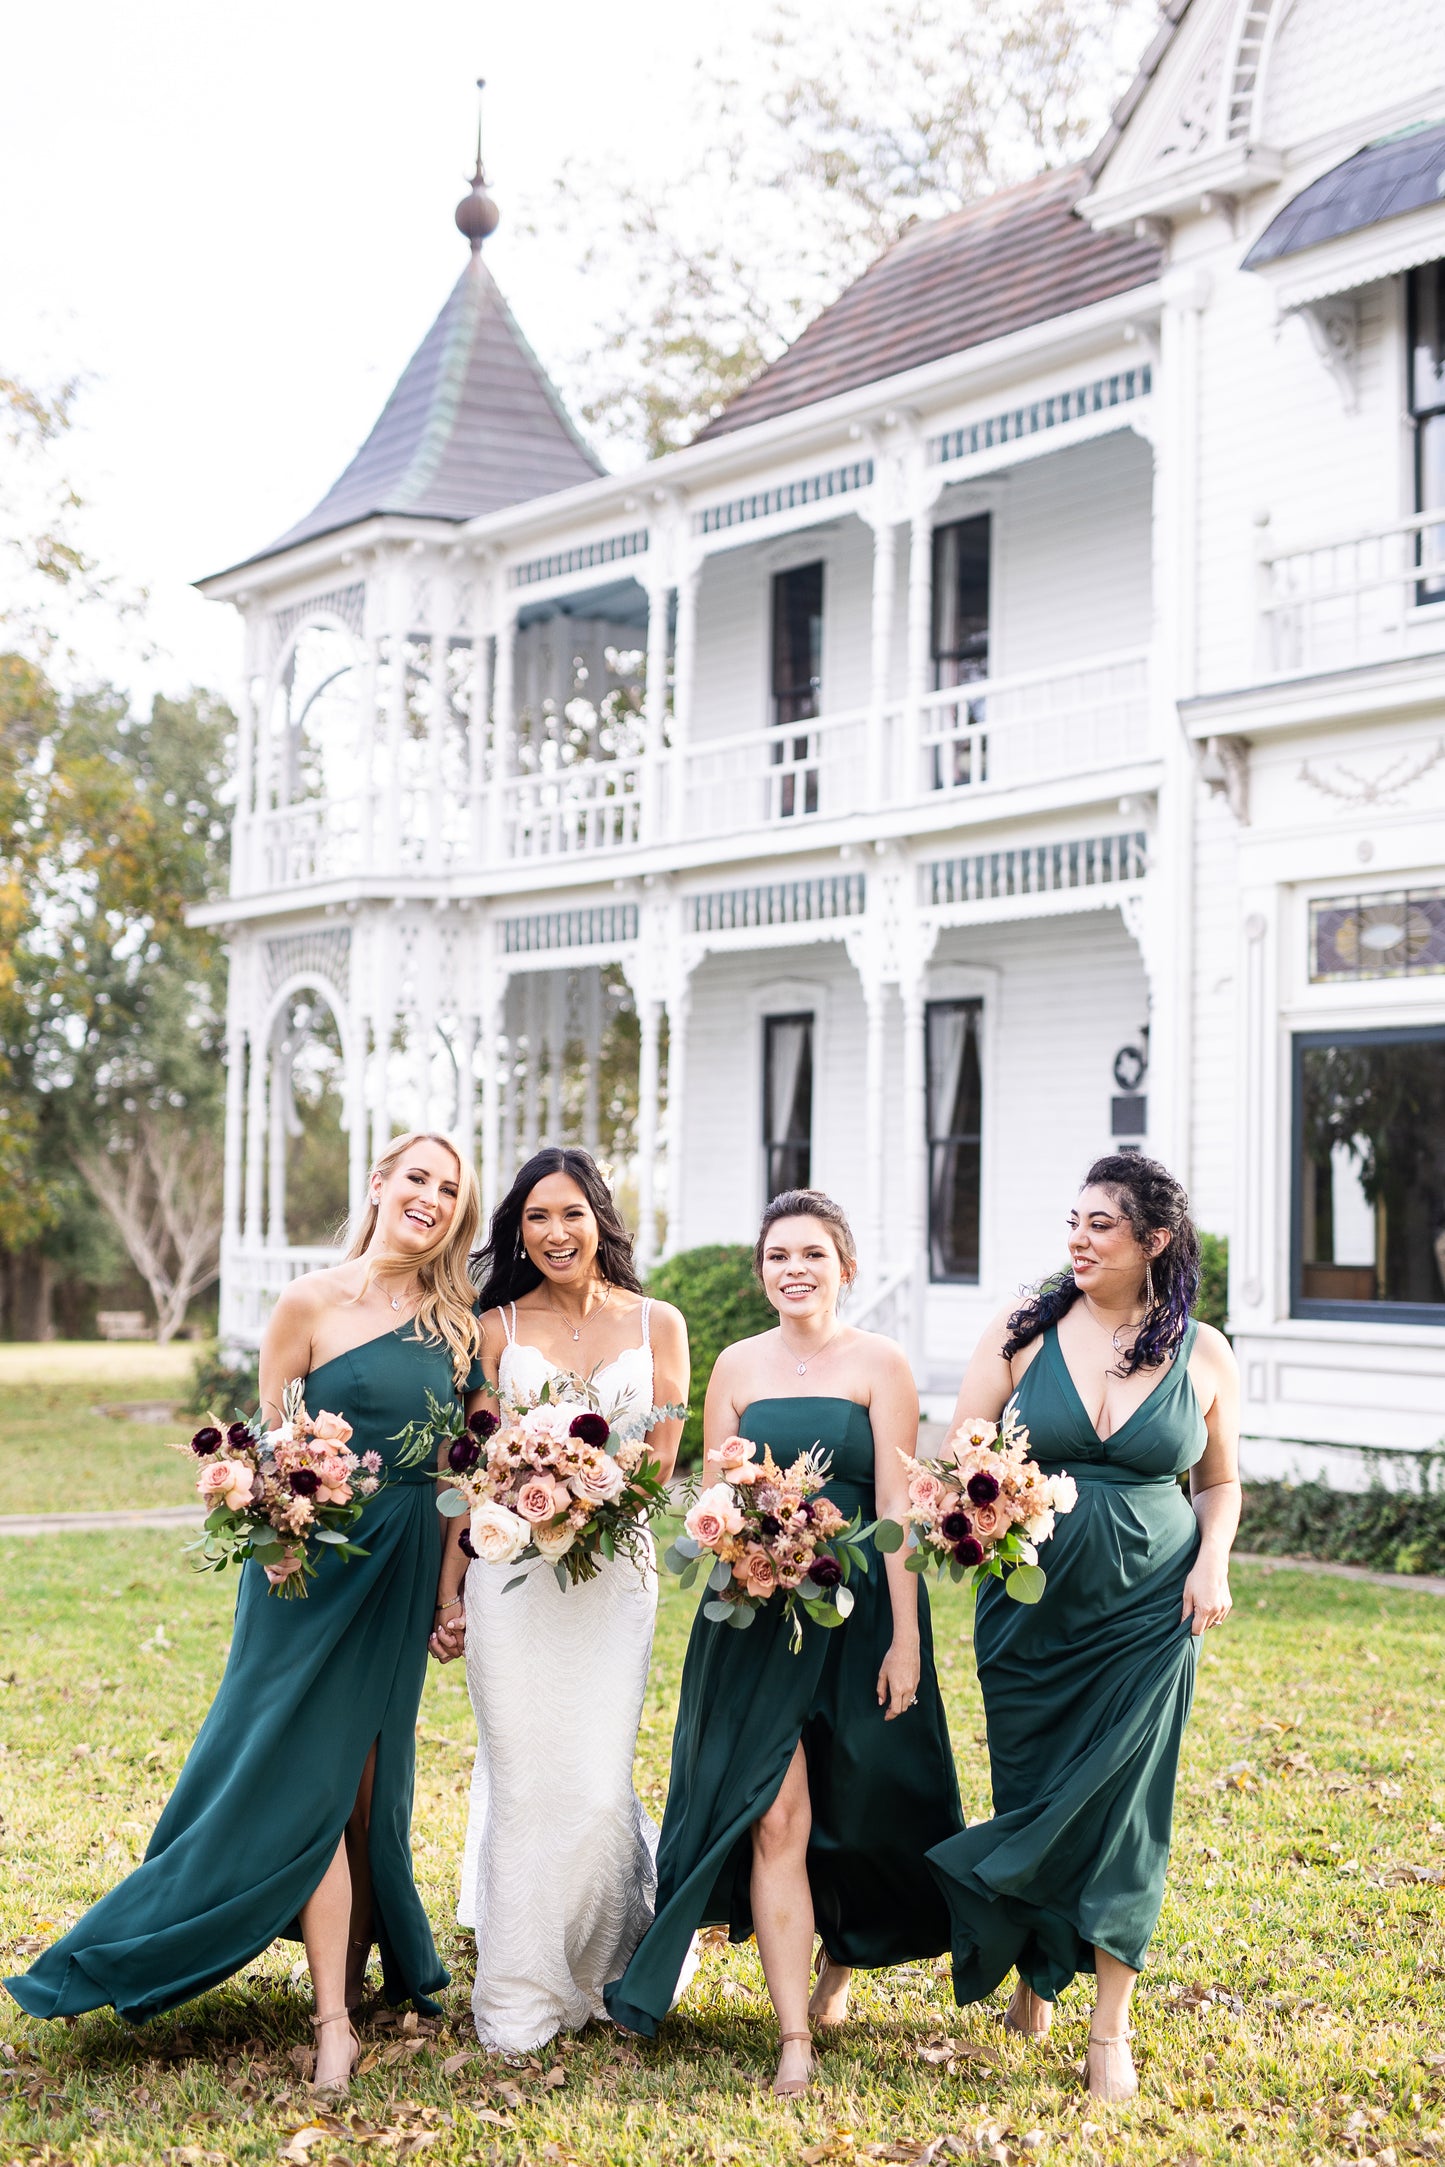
point(329, 1534)
point(687, 1547)
point(451, 1504)
point(561, 1571)
point(688, 1578)
point(217, 1519)
point(843, 1601)
point(824, 1613)
point(265, 1538)
point(720, 1577)
point(606, 1545)
point(916, 1563)
point(888, 1536)
point(718, 1612)
point(1026, 1583)
point(739, 1616)
point(519, 1580)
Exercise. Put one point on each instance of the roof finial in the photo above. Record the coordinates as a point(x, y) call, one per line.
point(477, 215)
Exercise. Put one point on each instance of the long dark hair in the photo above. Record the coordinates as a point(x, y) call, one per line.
point(502, 1269)
point(1153, 1202)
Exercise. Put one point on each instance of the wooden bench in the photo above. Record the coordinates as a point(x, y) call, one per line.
point(122, 1324)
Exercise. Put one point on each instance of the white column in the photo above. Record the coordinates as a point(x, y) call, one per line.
point(394, 812)
point(555, 995)
point(915, 1158)
point(235, 1134)
point(466, 1117)
point(354, 1090)
point(885, 579)
point(492, 1022)
point(436, 746)
point(504, 732)
point(920, 640)
point(649, 1017)
point(276, 1145)
point(654, 715)
point(592, 1052)
point(243, 871)
point(255, 1141)
point(511, 1011)
point(477, 721)
point(532, 1030)
point(684, 669)
point(875, 999)
point(678, 1006)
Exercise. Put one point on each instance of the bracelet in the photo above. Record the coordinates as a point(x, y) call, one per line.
point(451, 1605)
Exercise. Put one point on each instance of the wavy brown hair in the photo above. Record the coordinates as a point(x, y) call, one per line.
point(504, 1272)
point(446, 1311)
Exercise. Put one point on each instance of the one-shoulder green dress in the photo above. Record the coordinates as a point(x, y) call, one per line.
point(1086, 1696)
point(882, 1793)
point(265, 1794)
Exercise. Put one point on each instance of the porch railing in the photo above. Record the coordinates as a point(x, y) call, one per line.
point(760, 778)
point(253, 1278)
point(592, 807)
point(1367, 598)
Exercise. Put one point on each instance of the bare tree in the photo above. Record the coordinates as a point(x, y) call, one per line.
point(162, 1188)
point(778, 198)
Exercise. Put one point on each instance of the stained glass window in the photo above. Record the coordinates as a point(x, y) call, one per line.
point(1401, 935)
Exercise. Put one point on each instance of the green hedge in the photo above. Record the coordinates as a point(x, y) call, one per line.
point(715, 1289)
point(1392, 1531)
point(1211, 1304)
point(227, 1390)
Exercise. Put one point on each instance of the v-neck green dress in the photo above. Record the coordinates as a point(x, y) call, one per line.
point(309, 1687)
point(1086, 1696)
point(881, 1792)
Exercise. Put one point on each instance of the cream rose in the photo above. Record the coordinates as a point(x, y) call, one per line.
point(1063, 1492)
point(498, 1536)
point(554, 1542)
point(924, 1493)
point(1039, 1526)
point(599, 1479)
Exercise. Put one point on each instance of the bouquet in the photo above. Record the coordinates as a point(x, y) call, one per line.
point(984, 1507)
point(768, 1533)
point(278, 1494)
point(555, 1477)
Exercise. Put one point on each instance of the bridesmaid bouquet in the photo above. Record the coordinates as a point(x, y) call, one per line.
point(768, 1534)
point(983, 1509)
point(278, 1495)
point(556, 1478)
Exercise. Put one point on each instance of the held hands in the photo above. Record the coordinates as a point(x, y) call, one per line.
point(449, 1631)
point(898, 1680)
point(1207, 1599)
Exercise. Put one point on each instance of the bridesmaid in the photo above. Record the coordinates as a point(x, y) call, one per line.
point(793, 1808)
point(293, 1811)
point(1087, 1694)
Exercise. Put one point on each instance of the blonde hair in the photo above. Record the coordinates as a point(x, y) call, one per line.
point(446, 1311)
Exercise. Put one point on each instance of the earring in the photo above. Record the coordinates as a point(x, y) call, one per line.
point(1149, 1284)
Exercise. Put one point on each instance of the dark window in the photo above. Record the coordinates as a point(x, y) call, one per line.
point(1369, 1174)
point(1427, 407)
point(954, 1137)
point(787, 1102)
point(797, 683)
point(960, 601)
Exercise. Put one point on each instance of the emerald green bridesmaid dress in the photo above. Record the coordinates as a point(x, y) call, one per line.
point(1086, 1696)
point(309, 1687)
point(882, 1793)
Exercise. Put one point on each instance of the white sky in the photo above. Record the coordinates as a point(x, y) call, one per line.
point(236, 222)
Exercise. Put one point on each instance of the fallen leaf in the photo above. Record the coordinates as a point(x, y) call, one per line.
point(509, 2093)
point(454, 2062)
point(555, 2076)
point(490, 2114)
point(299, 2144)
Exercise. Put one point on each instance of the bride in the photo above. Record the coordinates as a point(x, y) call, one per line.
point(558, 1874)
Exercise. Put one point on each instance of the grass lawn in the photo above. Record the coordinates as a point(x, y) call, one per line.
point(1292, 2012)
point(58, 1455)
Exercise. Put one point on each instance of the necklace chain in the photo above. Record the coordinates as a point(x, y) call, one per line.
point(801, 1368)
point(576, 1329)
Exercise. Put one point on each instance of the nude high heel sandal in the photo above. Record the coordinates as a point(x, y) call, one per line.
point(339, 2086)
point(1117, 2079)
point(793, 2087)
point(1027, 2004)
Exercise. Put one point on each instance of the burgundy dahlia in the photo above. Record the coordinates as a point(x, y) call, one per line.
point(983, 1487)
point(466, 1545)
point(592, 1429)
point(955, 1526)
point(304, 1481)
point(463, 1454)
point(238, 1436)
point(825, 1571)
point(482, 1423)
point(969, 1551)
point(207, 1440)
point(769, 1525)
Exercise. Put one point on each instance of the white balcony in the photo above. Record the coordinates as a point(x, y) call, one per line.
point(1378, 596)
point(963, 744)
point(253, 1278)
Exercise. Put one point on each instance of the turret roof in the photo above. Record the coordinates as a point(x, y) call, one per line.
point(473, 425)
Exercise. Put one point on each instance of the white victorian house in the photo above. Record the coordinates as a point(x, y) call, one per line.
point(1014, 728)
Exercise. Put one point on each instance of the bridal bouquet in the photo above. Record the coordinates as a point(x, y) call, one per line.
point(984, 1507)
point(277, 1495)
point(768, 1534)
point(556, 1477)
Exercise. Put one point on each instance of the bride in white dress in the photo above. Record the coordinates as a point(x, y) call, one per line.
point(558, 1876)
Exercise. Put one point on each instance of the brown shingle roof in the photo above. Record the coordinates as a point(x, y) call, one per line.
point(1014, 259)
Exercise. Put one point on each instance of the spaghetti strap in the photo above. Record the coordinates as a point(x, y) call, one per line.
point(646, 1321)
point(509, 1324)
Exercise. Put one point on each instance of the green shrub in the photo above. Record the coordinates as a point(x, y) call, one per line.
point(1212, 1302)
point(715, 1289)
point(225, 1389)
point(1391, 1531)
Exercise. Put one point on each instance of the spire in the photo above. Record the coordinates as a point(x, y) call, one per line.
point(477, 214)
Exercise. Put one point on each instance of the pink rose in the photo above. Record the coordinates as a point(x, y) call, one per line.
point(827, 1520)
point(537, 1501)
point(599, 1479)
point(331, 1429)
point(988, 1522)
point(924, 1492)
point(227, 1482)
point(744, 1475)
point(705, 1527)
point(735, 1452)
point(759, 1575)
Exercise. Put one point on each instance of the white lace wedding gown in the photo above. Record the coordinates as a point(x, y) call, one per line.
point(558, 1874)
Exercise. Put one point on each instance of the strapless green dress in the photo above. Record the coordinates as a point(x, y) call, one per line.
point(309, 1687)
point(882, 1793)
point(1086, 1695)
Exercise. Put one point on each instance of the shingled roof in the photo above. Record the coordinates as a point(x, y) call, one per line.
point(474, 424)
point(1013, 259)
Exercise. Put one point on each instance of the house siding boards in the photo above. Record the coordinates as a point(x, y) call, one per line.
point(1015, 259)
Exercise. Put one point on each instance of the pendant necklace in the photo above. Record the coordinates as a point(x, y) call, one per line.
point(801, 1368)
point(576, 1329)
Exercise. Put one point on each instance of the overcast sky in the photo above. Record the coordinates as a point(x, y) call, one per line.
point(236, 221)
